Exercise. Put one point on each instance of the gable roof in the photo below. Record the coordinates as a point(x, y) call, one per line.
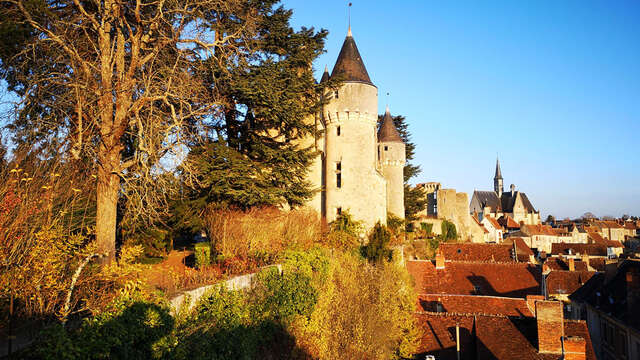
point(349, 64)
point(589, 249)
point(477, 252)
point(494, 222)
point(488, 199)
point(508, 222)
point(489, 337)
point(557, 263)
point(388, 131)
point(474, 304)
point(476, 278)
point(566, 282)
point(508, 201)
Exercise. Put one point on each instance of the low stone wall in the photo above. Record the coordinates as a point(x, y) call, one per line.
point(241, 282)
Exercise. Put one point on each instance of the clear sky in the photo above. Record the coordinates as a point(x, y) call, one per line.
point(553, 87)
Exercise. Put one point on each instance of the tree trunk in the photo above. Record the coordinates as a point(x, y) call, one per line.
point(107, 201)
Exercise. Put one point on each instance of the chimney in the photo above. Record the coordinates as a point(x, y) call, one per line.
point(585, 259)
point(633, 289)
point(572, 264)
point(610, 268)
point(550, 321)
point(575, 348)
point(513, 189)
point(531, 301)
point(439, 261)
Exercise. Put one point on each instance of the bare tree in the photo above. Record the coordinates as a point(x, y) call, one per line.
point(117, 82)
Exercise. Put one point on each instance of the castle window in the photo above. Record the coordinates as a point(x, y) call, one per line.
point(386, 148)
point(336, 94)
point(339, 174)
point(338, 130)
point(339, 210)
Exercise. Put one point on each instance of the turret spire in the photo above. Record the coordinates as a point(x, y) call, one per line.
point(497, 180)
point(498, 172)
point(388, 131)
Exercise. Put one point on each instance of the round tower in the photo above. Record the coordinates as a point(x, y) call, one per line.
point(392, 157)
point(352, 183)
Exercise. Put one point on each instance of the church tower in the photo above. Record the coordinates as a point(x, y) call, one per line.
point(352, 181)
point(392, 158)
point(497, 180)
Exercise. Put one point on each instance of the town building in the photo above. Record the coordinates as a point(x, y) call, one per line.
point(359, 167)
point(498, 203)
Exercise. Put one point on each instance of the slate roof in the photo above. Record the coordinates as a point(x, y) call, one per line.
point(349, 65)
point(476, 278)
point(566, 282)
point(489, 337)
point(388, 131)
point(477, 252)
point(504, 203)
point(498, 174)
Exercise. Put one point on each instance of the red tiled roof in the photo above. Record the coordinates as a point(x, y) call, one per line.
point(608, 224)
point(494, 222)
point(476, 252)
point(508, 222)
point(556, 263)
point(538, 230)
point(489, 337)
point(474, 304)
point(480, 224)
point(476, 278)
point(598, 264)
point(566, 282)
point(590, 249)
point(629, 225)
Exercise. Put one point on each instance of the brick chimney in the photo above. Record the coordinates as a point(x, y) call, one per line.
point(633, 289)
point(439, 261)
point(572, 264)
point(531, 301)
point(575, 348)
point(585, 259)
point(549, 318)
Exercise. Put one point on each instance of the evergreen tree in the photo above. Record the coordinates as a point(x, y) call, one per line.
point(414, 198)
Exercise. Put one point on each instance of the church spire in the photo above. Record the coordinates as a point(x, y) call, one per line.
point(498, 186)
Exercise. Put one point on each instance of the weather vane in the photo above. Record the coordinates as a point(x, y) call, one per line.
point(349, 16)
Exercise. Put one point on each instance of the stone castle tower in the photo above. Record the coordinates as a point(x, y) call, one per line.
point(358, 169)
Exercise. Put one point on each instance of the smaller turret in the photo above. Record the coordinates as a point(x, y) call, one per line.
point(392, 158)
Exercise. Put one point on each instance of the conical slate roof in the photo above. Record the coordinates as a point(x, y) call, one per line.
point(349, 64)
point(498, 172)
point(388, 131)
point(325, 75)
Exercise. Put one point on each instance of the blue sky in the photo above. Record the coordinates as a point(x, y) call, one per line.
point(553, 87)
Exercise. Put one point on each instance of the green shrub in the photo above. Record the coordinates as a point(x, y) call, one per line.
point(377, 248)
point(449, 231)
point(346, 223)
point(203, 254)
point(427, 228)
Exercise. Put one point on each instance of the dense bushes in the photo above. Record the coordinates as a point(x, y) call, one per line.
point(449, 231)
point(203, 254)
point(263, 232)
point(321, 306)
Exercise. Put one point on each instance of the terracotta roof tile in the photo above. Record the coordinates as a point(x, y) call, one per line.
point(556, 263)
point(494, 222)
point(474, 304)
point(489, 337)
point(476, 278)
point(477, 252)
point(566, 282)
point(589, 249)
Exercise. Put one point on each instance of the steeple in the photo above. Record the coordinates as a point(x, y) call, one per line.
point(349, 65)
point(497, 180)
point(388, 131)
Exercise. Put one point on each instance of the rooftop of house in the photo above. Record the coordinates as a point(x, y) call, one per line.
point(474, 304)
point(559, 263)
point(477, 252)
point(566, 282)
point(538, 230)
point(617, 294)
point(476, 278)
point(496, 225)
point(598, 239)
point(505, 203)
point(490, 337)
point(508, 222)
point(589, 249)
